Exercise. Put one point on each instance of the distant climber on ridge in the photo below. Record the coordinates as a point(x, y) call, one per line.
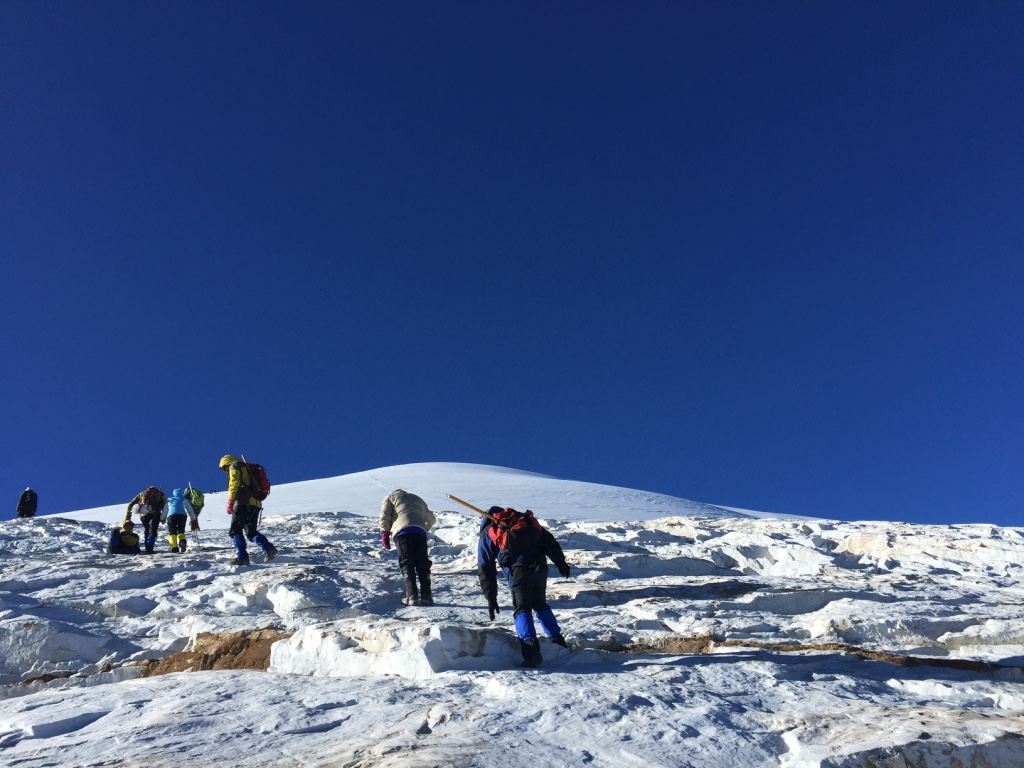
point(27, 503)
point(408, 517)
point(522, 547)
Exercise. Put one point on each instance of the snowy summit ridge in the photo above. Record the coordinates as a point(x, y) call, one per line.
point(361, 492)
point(698, 636)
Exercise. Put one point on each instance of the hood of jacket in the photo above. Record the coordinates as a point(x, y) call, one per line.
point(227, 460)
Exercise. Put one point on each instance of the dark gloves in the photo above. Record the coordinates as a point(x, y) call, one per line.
point(195, 525)
point(563, 569)
point(385, 539)
point(492, 606)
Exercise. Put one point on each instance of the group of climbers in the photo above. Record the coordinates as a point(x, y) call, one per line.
point(153, 508)
point(247, 487)
point(513, 540)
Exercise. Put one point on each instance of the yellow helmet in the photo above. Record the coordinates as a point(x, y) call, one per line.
point(227, 460)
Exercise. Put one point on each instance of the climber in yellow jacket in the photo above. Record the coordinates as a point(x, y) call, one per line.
point(244, 508)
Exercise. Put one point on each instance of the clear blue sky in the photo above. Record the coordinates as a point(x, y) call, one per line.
point(760, 254)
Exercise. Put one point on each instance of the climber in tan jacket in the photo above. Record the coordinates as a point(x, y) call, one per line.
point(407, 516)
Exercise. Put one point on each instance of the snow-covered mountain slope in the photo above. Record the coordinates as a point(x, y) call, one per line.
point(697, 638)
point(361, 493)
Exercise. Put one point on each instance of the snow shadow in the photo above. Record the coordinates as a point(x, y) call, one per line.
point(577, 540)
point(810, 666)
point(647, 566)
point(1004, 750)
point(793, 602)
point(609, 595)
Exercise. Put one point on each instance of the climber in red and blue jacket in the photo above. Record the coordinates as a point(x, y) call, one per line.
point(521, 546)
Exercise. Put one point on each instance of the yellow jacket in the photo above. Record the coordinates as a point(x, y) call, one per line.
point(239, 484)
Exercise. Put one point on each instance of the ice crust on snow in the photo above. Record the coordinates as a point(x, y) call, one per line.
point(363, 680)
point(355, 648)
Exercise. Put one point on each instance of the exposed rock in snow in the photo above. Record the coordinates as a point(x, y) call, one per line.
point(225, 650)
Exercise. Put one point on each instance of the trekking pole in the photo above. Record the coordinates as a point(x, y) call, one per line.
point(479, 511)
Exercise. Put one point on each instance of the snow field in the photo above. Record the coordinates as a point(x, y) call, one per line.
point(365, 681)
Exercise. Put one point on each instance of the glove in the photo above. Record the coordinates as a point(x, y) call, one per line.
point(195, 525)
point(564, 570)
point(385, 539)
point(492, 607)
point(231, 506)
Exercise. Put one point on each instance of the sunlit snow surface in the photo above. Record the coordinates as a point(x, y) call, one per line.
point(365, 681)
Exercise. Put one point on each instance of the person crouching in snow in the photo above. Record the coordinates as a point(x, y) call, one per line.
point(244, 509)
point(522, 547)
point(123, 540)
point(149, 504)
point(408, 516)
point(175, 512)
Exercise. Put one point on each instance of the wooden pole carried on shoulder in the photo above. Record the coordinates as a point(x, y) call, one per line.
point(476, 509)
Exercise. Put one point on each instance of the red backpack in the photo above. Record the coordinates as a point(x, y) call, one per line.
point(515, 532)
point(259, 483)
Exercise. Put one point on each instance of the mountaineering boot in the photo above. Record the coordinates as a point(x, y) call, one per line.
point(175, 550)
point(182, 542)
point(268, 549)
point(426, 598)
point(559, 640)
point(531, 652)
point(150, 543)
point(242, 557)
point(411, 596)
